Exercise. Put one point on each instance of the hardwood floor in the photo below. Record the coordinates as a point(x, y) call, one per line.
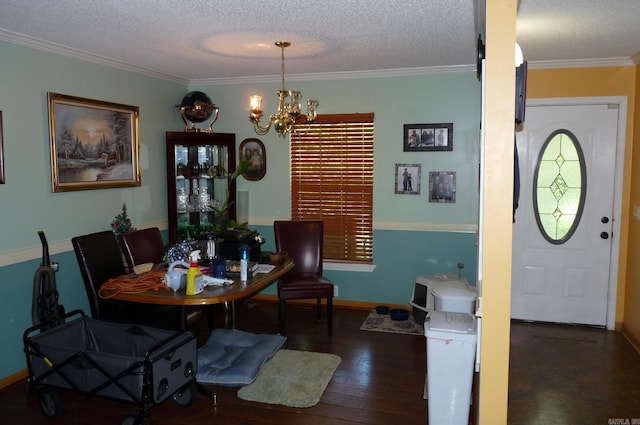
point(562, 375)
point(572, 375)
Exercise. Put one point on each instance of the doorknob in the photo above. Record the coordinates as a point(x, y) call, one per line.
point(604, 235)
point(605, 220)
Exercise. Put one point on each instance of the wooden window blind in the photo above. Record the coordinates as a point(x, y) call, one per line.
point(332, 181)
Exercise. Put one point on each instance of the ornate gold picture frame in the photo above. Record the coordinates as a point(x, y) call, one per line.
point(93, 144)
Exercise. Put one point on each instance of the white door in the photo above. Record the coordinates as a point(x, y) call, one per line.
point(565, 281)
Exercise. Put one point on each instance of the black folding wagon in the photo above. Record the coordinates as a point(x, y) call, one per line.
point(137, 364)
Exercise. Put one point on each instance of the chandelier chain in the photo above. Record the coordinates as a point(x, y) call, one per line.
point(282, 65)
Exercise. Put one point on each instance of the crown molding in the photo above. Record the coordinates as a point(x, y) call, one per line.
point(347, 75)
point(59, 49)
point(581, 63)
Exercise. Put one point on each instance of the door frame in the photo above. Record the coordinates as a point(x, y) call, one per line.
point(621, 103)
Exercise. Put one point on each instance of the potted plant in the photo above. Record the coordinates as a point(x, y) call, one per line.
point(120, 225)
point(189, 231)
point(222, 221)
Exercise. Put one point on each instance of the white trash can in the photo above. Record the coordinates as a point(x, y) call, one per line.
point(451, 350)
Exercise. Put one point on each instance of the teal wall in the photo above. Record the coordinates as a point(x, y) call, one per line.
point(26, 201)
point(438, 98)
point(411, 237)
point(400, 256)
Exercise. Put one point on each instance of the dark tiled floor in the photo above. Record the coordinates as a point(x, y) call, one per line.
point(572, 375)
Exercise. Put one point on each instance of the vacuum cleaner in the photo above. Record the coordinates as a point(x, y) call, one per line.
point(45, 309)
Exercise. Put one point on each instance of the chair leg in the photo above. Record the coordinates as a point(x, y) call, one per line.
point(319, 308)
point(282, 314)
point(330, 314)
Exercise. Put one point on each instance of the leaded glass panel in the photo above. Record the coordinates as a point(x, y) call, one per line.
point(559, 187)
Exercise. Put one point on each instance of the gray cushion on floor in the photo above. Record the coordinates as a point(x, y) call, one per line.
point(234, 358)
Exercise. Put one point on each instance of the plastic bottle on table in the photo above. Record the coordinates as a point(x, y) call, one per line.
point(244, 263)
point(195, 283)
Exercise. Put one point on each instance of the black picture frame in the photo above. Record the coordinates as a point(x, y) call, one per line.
point(428, 137)
point(442, 186)
point(253, 150)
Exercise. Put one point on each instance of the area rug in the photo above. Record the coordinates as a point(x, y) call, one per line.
point(292, 378)
point(383, 323)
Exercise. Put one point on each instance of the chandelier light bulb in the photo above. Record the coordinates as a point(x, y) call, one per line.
point(255, 104)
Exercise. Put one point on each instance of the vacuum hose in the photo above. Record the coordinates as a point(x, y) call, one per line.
point(45, 308)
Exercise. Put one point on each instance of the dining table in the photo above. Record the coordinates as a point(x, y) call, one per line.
point(150, 288)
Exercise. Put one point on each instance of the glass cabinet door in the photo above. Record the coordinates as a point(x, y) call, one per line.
point(199, 190)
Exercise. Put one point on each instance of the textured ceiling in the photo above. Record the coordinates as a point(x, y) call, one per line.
point(219, 39)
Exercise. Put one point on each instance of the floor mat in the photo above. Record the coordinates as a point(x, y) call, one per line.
point(292, 378)
point(383, 323)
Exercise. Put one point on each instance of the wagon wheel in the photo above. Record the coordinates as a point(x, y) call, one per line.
point(132, 418)
point(50, 402)
point(186, 397)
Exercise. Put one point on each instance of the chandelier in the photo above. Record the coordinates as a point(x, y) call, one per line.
point(288, 107)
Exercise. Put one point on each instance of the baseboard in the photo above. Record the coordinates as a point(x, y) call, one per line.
point(633, 340)
point(12, 379)
point(346, 304)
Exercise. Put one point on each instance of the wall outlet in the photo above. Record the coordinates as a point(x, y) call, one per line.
point(335, 290)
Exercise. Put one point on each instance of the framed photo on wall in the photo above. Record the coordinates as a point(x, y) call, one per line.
point(407, 179)
point(428, 137)
point(93, 144)
point(442, 186)
point(253, 150)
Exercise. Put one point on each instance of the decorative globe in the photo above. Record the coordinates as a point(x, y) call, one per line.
point(197, 106)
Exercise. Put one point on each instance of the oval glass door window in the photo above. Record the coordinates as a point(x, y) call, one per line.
point(559, 187)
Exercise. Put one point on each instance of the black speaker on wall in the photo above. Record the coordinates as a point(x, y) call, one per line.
point(521, 91)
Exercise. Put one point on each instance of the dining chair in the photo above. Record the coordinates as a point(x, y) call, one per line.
point(146, 246)
point(100, 259)
point(143, 246)
point(302, 240)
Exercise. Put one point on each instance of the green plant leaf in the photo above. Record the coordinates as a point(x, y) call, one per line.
point(240, 169)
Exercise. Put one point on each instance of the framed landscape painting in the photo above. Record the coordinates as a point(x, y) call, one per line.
point(93, 144)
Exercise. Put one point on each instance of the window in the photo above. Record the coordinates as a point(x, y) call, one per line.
point(332, 181)
point(559, 187)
